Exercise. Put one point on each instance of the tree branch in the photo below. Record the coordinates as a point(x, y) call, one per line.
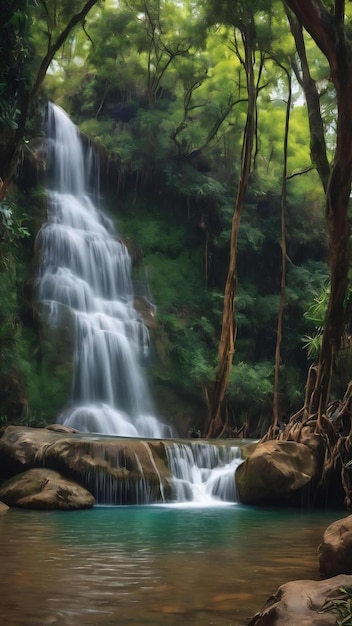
point(76, 19)
point(300, 173)
point(316, 19)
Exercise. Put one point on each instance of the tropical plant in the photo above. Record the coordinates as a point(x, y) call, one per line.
point(341, 605)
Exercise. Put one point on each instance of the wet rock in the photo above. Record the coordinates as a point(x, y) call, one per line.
point(60, 428)
point(45, 489)
point(3, 507)
point(335, 550)
point(119, 470)
point(276, 472)
point(300, 603)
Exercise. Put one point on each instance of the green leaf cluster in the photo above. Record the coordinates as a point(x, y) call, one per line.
point(341, 605)
point(254, 381)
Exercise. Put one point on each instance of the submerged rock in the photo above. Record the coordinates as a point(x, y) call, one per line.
point(45, 489)
point(303, 603)
point(276, 472)
point(335, 550)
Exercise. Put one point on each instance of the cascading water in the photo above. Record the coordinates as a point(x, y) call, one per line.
point(86, 271)
point(85, 276)
point(203, 473)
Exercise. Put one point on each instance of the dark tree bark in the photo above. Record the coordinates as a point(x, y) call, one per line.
point(328, 31)
point(308, 84)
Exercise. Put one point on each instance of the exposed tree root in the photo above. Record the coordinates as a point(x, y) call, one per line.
point(334, 428)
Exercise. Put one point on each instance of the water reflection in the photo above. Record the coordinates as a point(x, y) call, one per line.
point(151, 565)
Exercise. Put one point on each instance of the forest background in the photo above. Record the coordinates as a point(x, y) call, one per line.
point(168, 92)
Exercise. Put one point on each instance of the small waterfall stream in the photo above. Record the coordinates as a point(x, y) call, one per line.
point(203, 472)
point(85, 277)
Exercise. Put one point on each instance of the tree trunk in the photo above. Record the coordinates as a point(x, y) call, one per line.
point(216, 393)
point(316, 126)
point(283, 259)
point(329, 33)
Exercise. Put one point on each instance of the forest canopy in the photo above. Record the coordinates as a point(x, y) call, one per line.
point(218, 126)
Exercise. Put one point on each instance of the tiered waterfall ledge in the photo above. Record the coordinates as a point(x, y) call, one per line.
point(116, 470)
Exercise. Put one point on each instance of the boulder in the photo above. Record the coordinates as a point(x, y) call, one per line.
point(276, 472)
point(300, 603)
point(3, 507)
point(45, 489)
point(335, 550)
point(120, 470)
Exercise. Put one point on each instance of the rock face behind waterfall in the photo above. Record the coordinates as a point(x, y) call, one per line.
point(114, 471)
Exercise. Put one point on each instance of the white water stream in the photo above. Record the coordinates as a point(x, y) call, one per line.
point(86, 270)
point(85, 276)
point(203, 472)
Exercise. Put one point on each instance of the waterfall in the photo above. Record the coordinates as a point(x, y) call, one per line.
point(85, 281)
point(203, 473)
point(85, 276)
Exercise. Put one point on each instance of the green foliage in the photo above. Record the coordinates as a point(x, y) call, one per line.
point(188, 352)
point(12, 229)
point(49, 382)
point(119, 143)
point(187, 314)
point(341, 605)
point(8, 110)
point(316, 315)
point(317, 310)
point(251, 381)
point(254, 381)
point(34, 379)
point(14, 366)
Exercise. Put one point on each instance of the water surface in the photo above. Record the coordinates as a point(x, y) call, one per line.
point(152, 565)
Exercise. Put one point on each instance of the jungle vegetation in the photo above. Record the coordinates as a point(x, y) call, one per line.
point(224, 134)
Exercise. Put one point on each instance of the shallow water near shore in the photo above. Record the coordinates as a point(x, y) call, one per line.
point(154, 565)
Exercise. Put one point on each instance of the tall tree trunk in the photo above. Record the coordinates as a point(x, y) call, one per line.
point(283, 258)
point(216, 392)
point(328, 31)
point(315, 121)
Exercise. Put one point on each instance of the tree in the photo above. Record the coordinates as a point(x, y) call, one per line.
point(22, 72)
point(283, 254)
point(215, 426)
point(326, 25)
point(304, 77)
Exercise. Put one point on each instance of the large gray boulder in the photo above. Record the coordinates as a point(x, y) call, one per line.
point(45, 489)
point(276, 472)
point(335, 550)
point(300, 603)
